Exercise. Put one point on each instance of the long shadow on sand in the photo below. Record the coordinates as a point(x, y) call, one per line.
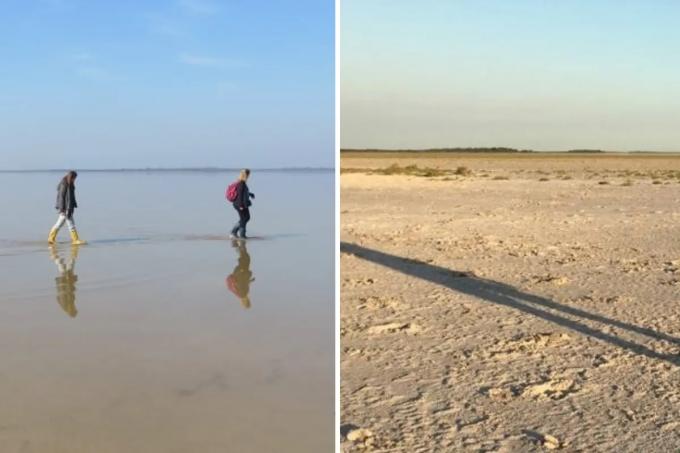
point(502, 294)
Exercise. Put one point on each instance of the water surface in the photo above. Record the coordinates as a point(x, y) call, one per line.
point(161, 334)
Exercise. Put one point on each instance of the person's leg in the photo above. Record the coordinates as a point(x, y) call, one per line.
point(245, 216)
point(71, 224)
point(55, 229)
point(74, 233)
point(60, 222)
point(247, 220)
point(237, 225)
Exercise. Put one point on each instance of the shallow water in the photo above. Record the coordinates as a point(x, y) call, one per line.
point(143, 340)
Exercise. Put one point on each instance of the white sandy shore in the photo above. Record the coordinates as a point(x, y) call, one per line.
point(511, 315)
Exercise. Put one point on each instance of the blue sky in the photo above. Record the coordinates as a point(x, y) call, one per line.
point(95, 84)
point(545, 75)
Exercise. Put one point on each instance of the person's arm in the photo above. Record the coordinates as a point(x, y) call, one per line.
point(242, 196)
point(248, 196)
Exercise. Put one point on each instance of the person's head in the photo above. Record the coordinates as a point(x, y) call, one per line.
point(245, 173)
point(70, 177)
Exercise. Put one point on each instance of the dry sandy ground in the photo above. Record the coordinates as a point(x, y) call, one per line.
point(511, 315)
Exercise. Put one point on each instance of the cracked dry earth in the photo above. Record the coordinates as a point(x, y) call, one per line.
point(509, 315)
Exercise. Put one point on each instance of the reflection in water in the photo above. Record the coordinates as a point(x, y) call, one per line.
point(66, 282)
point(239, 280)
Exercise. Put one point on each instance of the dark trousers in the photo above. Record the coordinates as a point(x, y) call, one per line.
point(240, 227)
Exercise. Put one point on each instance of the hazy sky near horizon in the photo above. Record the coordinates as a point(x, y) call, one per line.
point(544, 75)
point(166, 83)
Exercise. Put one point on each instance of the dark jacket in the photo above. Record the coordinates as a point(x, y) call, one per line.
point(66, 198)
point(242, 196)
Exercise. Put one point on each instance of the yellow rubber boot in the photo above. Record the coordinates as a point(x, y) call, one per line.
point(52, 238)
point(75, 240)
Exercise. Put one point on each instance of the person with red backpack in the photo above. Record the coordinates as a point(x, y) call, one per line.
point(239, 195)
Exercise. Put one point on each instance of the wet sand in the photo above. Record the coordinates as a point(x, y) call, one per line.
point(159, 337)
point(529, 305)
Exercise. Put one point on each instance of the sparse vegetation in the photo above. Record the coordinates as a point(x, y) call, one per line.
point(544, 179)
point(411, 170)
point(615, 168)
point(603, 183)
point(500, 178)
point(499, 149)
point(354, 170)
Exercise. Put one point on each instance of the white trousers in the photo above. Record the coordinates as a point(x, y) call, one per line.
point(60, 222)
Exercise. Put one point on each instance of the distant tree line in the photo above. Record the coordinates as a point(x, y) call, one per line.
point(500, 149)
point(495, 149)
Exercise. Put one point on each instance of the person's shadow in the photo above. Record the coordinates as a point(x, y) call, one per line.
point(238, 282)
point(66, 281)
point(503, 294)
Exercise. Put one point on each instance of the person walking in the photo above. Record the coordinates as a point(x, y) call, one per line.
point(241, 202)
point(66, 204)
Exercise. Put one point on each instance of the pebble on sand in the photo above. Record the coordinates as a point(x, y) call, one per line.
point(359, 434)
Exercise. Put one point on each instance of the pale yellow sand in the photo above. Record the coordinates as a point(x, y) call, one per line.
point(511, 315)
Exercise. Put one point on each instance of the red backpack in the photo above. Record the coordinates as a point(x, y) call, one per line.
point(232, 191)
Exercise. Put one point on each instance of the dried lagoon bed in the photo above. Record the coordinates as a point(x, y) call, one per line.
point(530, 303)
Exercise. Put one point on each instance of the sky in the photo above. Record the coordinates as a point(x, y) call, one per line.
point(166, 83)
point(543, 75)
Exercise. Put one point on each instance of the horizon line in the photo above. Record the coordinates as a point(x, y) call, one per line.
point(507, 149)
point(167, 169)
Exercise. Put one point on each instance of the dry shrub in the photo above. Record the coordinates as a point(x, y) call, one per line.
point(463, 171)
point(412, 170)
point(354, 170)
